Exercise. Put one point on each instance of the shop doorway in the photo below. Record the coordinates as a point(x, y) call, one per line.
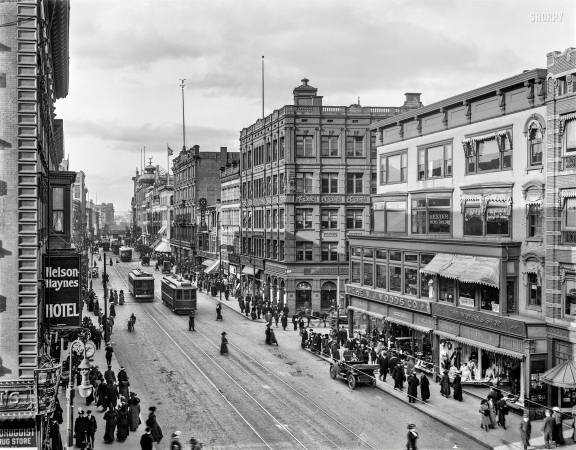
point(328, 296)
point(303, 296)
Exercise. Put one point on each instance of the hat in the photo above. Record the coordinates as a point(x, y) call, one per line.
point(223, 333)
point(89, 412)
point(132, 394)
point(80, 411)
point(121, 367)
point(147, 430)
point(109, 366)
point(525, 415)
point(152, 408)
point(556, 409)
point(411, 426)
point(176, 434)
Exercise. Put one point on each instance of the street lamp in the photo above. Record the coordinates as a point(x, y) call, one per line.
point(85, 388)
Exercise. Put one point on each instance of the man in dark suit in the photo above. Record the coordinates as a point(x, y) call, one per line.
point(80, 429)
point(342, 336)
point(147, 441)
point(112, 394)
point(109, 375)
point(548, 428)
point(91, 427)
point(304, 337)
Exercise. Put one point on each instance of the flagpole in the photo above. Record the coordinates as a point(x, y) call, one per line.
point(262, 86)
point(182, 85)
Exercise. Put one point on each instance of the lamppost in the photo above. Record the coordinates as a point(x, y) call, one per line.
point(182, 206)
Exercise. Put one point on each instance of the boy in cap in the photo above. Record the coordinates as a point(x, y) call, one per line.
point(412, 436)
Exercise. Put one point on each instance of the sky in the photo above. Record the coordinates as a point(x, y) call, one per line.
point(127, 58)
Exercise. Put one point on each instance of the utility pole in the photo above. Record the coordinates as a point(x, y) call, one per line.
point(338, 287)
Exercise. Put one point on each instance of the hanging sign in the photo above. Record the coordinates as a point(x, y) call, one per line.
point(62, 275)
point(19, 434)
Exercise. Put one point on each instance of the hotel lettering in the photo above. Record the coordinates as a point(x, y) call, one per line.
point(62, 277)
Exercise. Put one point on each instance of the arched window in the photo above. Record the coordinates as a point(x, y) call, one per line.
point(303, 295)
point(534, 132)
point(328, 296)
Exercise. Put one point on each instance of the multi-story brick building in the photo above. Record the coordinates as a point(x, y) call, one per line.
point(560, 223)
point(35, 206)
point(453, 268)
point(307, 173)
point(106, 211)
point(230, 218)
point(196, 176)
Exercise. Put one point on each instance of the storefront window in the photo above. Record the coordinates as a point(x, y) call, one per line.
point(396, 278)
point(467, 294)
point(381, 254)
point(328, 295)
point(410, 281)
point(368, 274)
point(368, 253)
point(355, 272)
point(490, 298)
point(303, 295)
point(410, 257)
point(497, 221)
point(355, 251)
point(380, 276)
point(473, 225)
point(426, 258)
point(570, 302)
point(446, 289)
point(426, 285)
point(395, 256)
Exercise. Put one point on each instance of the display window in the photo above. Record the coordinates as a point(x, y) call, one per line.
point(410, 281)
point(355, 272)
point(570, 297)
point(446, 290)
point(467, 295)
point(426, 285)
point(368, 274)
point(395, 278)
point(490, 298)
point(380, 276)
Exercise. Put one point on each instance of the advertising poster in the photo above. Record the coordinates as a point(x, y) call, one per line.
point(63, 289)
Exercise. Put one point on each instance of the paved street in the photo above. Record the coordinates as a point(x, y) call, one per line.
point(258, 396)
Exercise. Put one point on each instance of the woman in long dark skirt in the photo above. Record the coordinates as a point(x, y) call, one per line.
point(445, 385)
point(123, 423)
point(424, 387)
point(154, 426)
point(134, 411)
point(224, 344)
point(457, 385)
point(54, 433)
point(219, 311)
point(111, 418)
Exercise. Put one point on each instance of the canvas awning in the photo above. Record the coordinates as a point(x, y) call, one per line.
point(162, 230)
point(458, 266)
point(163, 247)
point(213, 268)
point(250, 271)
point(208, 262)
point(483, 270)
point(482, 345)
point(563, 375)
point(406, 324)
point(438, 263)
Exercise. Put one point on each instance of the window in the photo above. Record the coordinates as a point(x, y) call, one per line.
point(380, 276)
point(393, 169)
point(58, 210)
point(496, 221)
point(395, 278)
point(329, 251)
point(569, 141)
point(281, 218)
point(395, 217)
point(268, 218)
point(304, 182)
point(274, 218)
point(535, 145)
point(490, 298)
point(354, 219)
point(304, 146)
point(281, 250)
point(534, 290)
point(303, 295)
point(431, 216)
point(329, 218)
point(570, 297)
point(330, 145)
point(329, 183)
point(373, 183)
point(490, 155)
point(328, 295)
point(355, 267)
point(275, 185)
point(354, 145)
point(410, 281)
point(281, 151)
point(275, 149)
point(368, 279)
point(303, 251)
point(304, 218)
point(446, 290)
point(534, 221)
point(467, 295)
point(281, 184)
point(435, 162)
point(373, 145)
point(354, 183)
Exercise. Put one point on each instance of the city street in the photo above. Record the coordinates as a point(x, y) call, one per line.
point(258, 396)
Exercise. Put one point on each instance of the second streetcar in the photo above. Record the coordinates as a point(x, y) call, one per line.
point(179, 294)
point(141, 285)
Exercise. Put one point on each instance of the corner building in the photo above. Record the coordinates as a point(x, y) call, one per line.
point(453, 267)
point(307, 172)
point(561, 217)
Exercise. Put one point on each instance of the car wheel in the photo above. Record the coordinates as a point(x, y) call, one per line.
point(351, 381)
point(332, 372)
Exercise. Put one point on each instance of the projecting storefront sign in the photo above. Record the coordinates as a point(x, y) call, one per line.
point(63, 289)
point(19, 434)
point(396, 300)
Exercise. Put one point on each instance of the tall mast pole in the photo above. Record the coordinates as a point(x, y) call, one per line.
point(183, 85)
point(262, 87)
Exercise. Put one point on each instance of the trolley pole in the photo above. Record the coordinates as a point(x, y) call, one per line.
point(105, 316)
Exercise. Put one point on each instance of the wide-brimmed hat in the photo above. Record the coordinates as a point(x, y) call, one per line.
point(556, 409)
point(152, 408)
point(411, 426)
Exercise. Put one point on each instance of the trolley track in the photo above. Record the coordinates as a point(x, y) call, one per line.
point(272, 405)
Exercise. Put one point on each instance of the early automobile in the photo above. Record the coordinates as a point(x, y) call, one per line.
point(354, 372)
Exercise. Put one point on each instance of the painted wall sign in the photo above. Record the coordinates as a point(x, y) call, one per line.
point(395, 300)
point(63, 289)
point(479, 319)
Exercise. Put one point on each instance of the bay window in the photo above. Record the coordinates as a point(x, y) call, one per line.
point(494, 222)
point(368, 272)
point(569, 144)
point(355, 275)
point(395, 217)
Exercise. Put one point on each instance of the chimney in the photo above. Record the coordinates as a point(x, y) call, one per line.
point(412, 100)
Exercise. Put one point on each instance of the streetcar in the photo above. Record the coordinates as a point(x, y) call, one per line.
point(105, 246)
point(115, 246)
point(125, 254)
point(141, 285)
point(178, 294)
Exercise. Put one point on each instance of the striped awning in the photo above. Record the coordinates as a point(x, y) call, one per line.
point(564, 194)
point(564, 119)
point(457, 267)
point(213, 268)
point(482, 270)
point(438, 263)
point(208, 262)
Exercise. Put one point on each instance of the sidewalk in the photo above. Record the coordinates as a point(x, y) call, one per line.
point(461, 416)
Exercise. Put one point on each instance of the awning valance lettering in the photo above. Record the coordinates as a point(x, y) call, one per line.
point(482, 345)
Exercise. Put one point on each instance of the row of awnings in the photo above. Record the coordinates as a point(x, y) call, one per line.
point(465, 268)
point(212, 265)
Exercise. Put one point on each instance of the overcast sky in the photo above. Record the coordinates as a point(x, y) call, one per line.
point(126, 58)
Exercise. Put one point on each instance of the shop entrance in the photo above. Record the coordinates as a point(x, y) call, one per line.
point(328, 296)
point(303, 296)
